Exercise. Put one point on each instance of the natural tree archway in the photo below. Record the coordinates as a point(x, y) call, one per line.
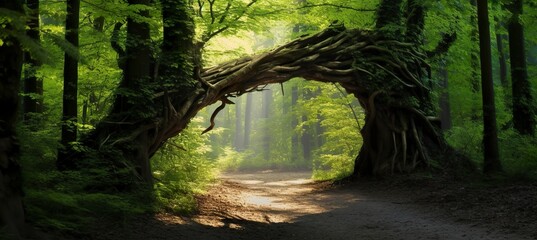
point(388, 75)
point(388, 78)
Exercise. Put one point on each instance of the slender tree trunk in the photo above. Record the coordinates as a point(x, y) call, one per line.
point(502, 59)
point(490, 138)
point(319, 130)
point(294, 122)
point(70, 87)
point(523, 109)
point(238, 141)
point(33, 85)
point(267, 105)
point(248, 120)
point(474, 55)
point(11, 59)
point(445, 107)
point(306, 138)
point(501, 39)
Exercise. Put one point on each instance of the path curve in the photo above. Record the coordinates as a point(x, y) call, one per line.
point(277, 206)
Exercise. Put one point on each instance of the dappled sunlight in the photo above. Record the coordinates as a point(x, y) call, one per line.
point(277, 197)
point(264, 197)
point(250, 182)
point(289, 182)
point(259, 200)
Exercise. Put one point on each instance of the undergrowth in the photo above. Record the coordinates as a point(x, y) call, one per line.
point(182, 169)
point(65, 203)
point(518, 153)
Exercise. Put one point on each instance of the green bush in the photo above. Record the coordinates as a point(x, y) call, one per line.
point(183, 168)
point(519, 155)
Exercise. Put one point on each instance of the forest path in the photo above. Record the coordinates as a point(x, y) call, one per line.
point(288, 205)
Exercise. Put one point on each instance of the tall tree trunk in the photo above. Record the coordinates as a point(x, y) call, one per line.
point(238, 140)
point(70, 87)
point(501, 39)
point(499, 25)
point(120, 140)
point(319, 130)
point(267, 105)
point(11, 59)
point(445, 106)
point(248, 120)
point(306, 138)
point(33, 85)
point(474, 55)
point(294, 122)
point(523, 109)
point(490, 138)
point(502, 58)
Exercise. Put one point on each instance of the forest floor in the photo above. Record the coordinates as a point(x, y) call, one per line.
point(288, 205)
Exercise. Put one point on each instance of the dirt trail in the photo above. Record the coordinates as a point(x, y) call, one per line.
point(270, 205)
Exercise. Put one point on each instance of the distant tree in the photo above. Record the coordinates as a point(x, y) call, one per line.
point(238, 138)
point(307, 131)
point(33, 85)
point(490, 138)
point(265, 114)
point(523, 110)
point(474, 55)
point(70, 86)
point(248, 120)
point(500, 39)
point(294, 122)
point(445, 107)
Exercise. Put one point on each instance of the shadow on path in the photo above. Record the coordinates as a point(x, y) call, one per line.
point(269, 205)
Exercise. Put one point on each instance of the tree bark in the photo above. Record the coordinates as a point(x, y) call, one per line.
point(248, 120)
point(267, 105)
point(238, 140)
point(307, 136)
point(523, 107)
point(474, 55)
point(445, 106)
point(490, 137)
point(11, 59)
point(70, 87)
point(502, 59)
point(33, 85)
point(123, 139)
point(294, 122)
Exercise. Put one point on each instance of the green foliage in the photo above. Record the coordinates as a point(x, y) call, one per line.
point(341, 119)
point(182, 168)
point(467, 139)
point(60, 201)
point(231, 160)
point(518, 155)
point(70, 202)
